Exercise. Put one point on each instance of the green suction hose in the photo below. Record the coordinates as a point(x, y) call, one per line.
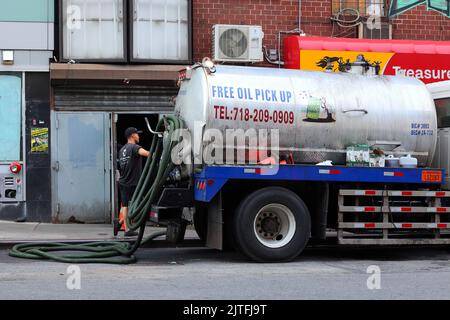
point(148, 190)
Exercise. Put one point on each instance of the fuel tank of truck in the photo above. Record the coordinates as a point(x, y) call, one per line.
point(318, 114)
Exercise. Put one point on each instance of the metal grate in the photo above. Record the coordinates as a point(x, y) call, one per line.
point(233, 43)
point(364, 7)
point(9, 181)
point(114, 98)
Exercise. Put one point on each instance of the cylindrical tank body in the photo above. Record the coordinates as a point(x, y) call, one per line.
point(318, 114)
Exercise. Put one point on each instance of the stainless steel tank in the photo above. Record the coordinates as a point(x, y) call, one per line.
point(318, 114)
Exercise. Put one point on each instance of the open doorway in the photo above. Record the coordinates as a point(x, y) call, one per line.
point(124, 121)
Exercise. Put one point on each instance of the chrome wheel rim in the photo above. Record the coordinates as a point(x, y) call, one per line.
point(274, 225)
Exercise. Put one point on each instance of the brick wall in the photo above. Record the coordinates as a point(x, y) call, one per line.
point(282, 15)
point(272, 15)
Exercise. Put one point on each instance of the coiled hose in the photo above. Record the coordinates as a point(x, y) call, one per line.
point(149, 188)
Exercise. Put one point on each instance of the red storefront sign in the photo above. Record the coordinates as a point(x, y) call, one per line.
point(428, 61)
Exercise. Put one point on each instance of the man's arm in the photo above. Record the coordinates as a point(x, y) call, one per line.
point(143, 153)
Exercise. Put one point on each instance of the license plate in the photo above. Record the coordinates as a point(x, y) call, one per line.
point(431, 176)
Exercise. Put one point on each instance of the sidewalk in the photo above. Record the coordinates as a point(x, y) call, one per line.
point(18, 232)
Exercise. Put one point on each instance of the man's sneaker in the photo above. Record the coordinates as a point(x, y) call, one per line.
point(131, 233)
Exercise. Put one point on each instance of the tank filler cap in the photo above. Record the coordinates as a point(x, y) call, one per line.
point(186, 73)
point(208, 64)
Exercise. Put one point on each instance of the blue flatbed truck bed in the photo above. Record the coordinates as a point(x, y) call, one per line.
point(212, 178)
point(270, 213)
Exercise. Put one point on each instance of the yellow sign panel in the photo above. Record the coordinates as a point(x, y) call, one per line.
point(309, 59)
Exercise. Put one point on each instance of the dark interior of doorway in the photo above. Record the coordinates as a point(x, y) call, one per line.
point(125, 121)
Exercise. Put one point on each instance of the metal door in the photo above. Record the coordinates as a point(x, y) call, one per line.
point(81, 167)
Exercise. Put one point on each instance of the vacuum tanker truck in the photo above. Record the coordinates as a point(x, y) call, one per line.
point(273, 159)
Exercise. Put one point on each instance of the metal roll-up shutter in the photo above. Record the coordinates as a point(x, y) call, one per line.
point(114, 98)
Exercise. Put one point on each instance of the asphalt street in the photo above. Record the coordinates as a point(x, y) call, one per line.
point(200, 273)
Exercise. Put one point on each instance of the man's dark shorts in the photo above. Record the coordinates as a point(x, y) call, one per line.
point(126, 193)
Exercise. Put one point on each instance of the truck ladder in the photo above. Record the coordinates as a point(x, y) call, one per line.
point(391, 218)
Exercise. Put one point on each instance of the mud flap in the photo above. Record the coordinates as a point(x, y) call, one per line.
point(176, 229)
point(214, 238)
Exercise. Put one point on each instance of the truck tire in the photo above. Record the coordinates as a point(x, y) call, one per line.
point(272, 225)
point(201, 222)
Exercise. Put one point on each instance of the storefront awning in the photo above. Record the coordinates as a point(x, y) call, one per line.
point(67, 71)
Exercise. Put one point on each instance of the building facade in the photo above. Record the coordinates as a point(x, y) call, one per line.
point(403, 20)
point(26, 47)
point(87, 69)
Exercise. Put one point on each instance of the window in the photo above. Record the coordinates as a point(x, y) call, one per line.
point(160, 30)
point(93, 29)
point(126, 30)
point(10, 117)
point(443, 112)
point(364, 7)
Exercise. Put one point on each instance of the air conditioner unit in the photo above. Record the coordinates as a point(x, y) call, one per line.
point(370, 30)
point(237, 43)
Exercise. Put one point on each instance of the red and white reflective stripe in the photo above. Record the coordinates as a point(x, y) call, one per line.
point(439, 209)
point(201, 185)
point(439, 225)
point(359, 209)
point(363, 225)
point(401, 193)
point(329, 171)
point(436, 193)
point(416, 209)
point(393, 174)
point(398, 225)
point(253, 170)
point(365, 192)
point(406, 209)
point(395, 193)
point(420, 193)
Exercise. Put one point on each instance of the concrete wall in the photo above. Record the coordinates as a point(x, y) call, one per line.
point(27, 29)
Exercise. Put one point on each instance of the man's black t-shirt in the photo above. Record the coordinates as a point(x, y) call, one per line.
point(130, 165)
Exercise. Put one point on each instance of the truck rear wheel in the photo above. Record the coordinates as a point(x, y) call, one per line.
point(272, 224)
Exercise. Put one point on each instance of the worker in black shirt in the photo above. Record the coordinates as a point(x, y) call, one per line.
point(130, 163)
